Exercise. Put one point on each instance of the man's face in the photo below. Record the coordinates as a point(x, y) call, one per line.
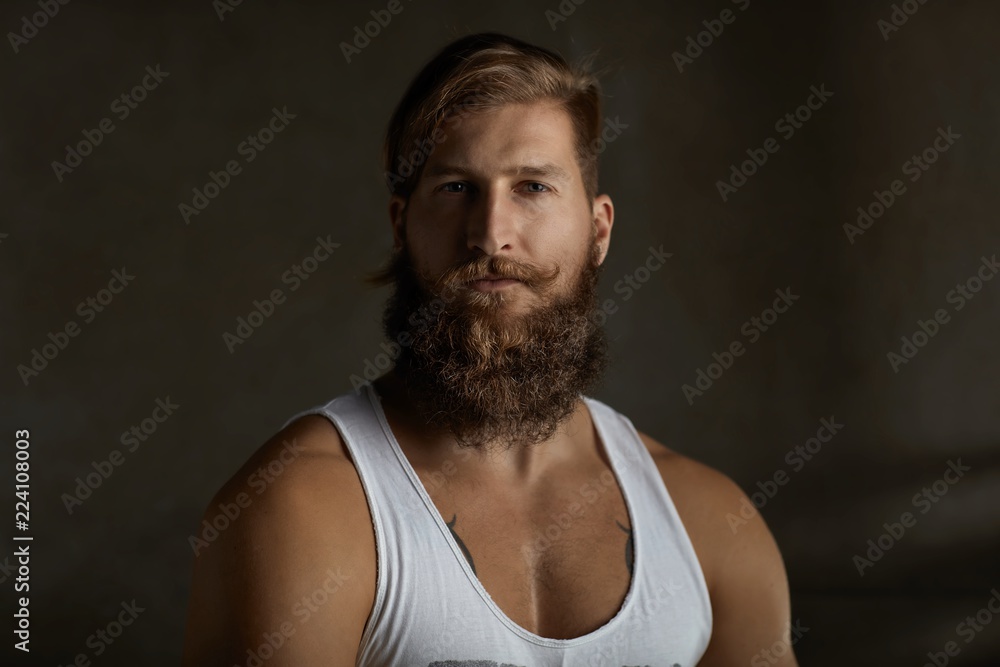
point(504, 184)
point(500, 362)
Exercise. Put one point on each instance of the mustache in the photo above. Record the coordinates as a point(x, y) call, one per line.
point(497, 267)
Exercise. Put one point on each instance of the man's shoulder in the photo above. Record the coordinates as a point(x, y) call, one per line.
point(743, 568)
point(690, 481)
point(291, 521)
point(304, 463)
point(713, 509)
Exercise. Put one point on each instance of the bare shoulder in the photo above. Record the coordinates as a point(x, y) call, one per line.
point(284, 556)
point(743, 567)
point(697, 486)
point(703, 497)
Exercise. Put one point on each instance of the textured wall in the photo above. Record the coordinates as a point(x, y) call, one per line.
point(64, 232)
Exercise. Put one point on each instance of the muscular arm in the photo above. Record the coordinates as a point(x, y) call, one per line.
point(284, 579)
point(744, 570)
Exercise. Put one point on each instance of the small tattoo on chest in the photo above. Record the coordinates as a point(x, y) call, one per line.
point(461, 544)
point(629, 547)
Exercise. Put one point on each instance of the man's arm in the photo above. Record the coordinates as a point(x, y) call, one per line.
point(287, 581)
point(744, 570)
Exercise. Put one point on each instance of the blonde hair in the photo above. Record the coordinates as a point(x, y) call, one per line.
point(482, 72)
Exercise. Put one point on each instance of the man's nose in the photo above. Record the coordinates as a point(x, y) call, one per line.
point(492, 224)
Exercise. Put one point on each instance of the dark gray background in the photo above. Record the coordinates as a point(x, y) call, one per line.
point(162, 336)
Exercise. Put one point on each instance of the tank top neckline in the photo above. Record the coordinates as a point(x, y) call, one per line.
point(637, 551)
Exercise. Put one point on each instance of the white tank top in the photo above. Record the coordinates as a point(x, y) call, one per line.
point(430, 608)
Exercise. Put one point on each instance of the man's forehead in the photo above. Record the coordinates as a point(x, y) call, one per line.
point(517, 133)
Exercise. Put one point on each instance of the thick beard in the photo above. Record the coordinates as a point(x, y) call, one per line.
point(494, 380)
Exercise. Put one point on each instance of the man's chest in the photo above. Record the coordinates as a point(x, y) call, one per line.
point(556, 561)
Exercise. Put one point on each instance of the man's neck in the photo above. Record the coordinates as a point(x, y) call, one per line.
point(429, 448)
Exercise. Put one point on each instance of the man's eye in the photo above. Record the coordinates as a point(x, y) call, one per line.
point(454, 185)
point(544, 188)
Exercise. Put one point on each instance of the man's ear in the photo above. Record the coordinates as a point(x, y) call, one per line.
point(603, 213)
point(397, 218)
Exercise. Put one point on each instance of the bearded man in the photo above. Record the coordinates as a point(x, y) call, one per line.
point(475, 506)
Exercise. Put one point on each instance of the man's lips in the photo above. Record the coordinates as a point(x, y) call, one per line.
point(491, 283)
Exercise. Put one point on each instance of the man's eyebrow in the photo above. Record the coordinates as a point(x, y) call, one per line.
point(545, 170)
